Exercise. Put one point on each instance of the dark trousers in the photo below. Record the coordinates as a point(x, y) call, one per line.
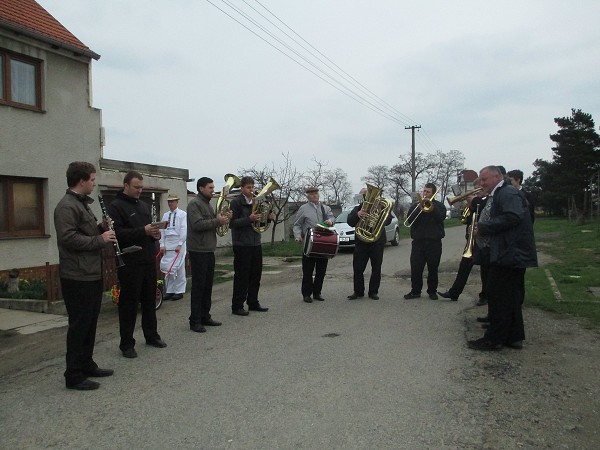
point(203, 273)
point(247, 264)
point(138, 286)
point(82, 300)
point(425, 252)
point(505, 297)
point(319, 266)
point(464, 270)
point(364, 252)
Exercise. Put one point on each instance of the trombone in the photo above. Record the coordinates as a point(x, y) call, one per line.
point(425, 206)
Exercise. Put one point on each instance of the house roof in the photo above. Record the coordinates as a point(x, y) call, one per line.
point(27, 17)
point(469, 175)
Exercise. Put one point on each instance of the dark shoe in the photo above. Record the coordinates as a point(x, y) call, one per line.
point(484, 345)
point(318, 297)
point(481, 301)
point(211, 323)
point(433, 296)
point(129, 353)
point(483, 319)
point(485, 326)
point(447, 295)
point(177, 297)
point(374, 296)
point(240, 312)
point(257, 307)
point(410, 296)
point(98, 372)
point(197, 328)
point(307, 299)
point(517, 345)
point(158, 343)
point(355, 296)
point(85, 385)
point(168, 296)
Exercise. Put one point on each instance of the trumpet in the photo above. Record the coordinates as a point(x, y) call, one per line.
point(118, 252)
point(452, 200)
point(426, 205)
point(468, 253)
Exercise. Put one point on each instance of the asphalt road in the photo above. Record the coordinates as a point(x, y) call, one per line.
point(358, 374)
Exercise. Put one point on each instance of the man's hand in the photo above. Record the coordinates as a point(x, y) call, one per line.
point(153, 231)
point(361, 214)
point(222, 219)
point(163, 250)
point(109, 236)
point(255, 217)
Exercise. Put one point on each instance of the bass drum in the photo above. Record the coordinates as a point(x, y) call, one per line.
point(321, 243)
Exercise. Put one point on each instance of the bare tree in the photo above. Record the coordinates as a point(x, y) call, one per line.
point(377, 176)
point(291, 189)
point(399, 186)
point(337, 187)
point(447, 165)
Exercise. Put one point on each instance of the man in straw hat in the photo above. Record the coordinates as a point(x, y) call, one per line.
point(172, 248)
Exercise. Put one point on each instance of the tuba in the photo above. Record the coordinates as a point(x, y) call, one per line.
point(231, 182)
point(369, 228)
point(260, 205)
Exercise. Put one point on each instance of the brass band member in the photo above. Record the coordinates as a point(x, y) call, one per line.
point(476, 203)
point(133, 225)
point(80, 243)
point(247, 251)
point(363, 252)
point(201, 244)
point(310, 214)
point(427, 232)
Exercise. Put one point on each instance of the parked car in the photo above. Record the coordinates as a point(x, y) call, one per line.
point(346, 232)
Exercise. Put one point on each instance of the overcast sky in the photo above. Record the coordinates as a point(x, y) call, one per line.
point(182, 84)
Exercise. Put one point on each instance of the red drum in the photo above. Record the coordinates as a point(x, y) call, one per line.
point(321, 243)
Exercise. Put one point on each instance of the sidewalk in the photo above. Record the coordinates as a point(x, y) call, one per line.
point(27, 322)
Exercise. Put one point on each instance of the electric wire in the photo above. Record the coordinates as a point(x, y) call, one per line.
point(356, 91)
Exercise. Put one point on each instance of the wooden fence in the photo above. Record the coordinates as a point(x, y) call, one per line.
point(50, 275)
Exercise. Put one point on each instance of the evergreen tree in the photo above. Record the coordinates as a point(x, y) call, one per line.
point(575, 161)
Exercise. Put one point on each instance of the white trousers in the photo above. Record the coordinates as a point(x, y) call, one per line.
point(172, 265)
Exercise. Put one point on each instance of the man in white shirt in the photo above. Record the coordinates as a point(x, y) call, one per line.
point(172, 248)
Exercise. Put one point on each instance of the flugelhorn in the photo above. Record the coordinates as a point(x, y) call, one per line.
point(452, 200)
point(369, 228)
point(260, 205)
point(231, 182)
point(109, 224)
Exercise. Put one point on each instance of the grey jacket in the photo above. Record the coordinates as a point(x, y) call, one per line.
point(78, 236)
point(309, 215)
point(201, 225)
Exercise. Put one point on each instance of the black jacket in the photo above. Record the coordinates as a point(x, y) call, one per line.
point(130, 216)
point(512, 243)
point(242, 233)
point(428, 225)
point(353, 219)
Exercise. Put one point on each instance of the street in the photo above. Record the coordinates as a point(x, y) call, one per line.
point(359, 374)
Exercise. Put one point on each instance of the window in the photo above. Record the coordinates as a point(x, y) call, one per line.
point(20, 81)
point(21, 207)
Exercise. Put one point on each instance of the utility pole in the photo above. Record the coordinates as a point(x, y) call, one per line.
point(412, 168)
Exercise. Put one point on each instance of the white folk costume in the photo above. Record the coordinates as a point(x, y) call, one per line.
point(172, 263)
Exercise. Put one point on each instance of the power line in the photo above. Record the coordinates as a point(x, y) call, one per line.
point(324, 68)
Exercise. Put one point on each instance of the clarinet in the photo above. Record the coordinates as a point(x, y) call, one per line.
point(106, 217)
point(154, 213)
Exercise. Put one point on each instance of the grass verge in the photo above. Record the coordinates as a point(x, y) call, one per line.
point(571, 257)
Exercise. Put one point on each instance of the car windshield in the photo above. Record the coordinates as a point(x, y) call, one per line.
point(342, 217)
